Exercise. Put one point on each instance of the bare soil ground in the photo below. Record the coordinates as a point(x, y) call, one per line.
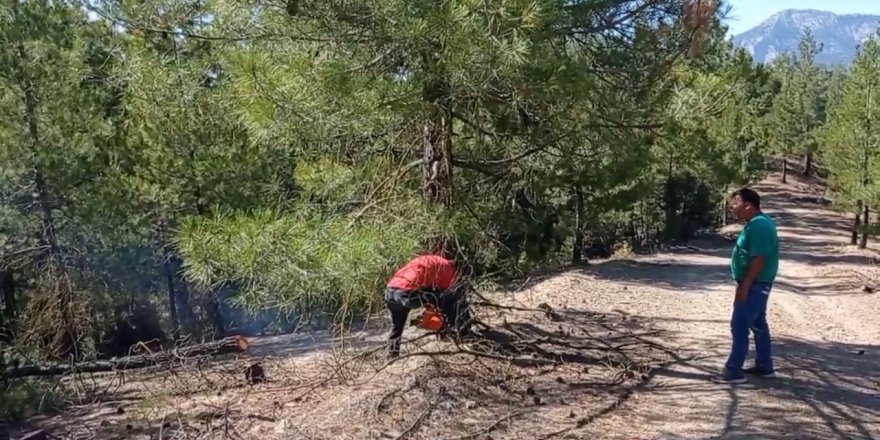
point(623, 349)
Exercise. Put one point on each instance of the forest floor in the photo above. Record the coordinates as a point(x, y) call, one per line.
point(640, 339)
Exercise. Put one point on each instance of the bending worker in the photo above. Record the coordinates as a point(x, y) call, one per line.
point(427, 279)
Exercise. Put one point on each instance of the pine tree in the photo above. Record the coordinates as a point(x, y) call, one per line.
point(52, 128)
point(809, 80)
point(852, 144)
point(798, 112)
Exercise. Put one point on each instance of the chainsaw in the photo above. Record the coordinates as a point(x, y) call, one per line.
point(431, 319)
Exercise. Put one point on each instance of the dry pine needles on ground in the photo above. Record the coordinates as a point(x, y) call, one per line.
point(534, 372)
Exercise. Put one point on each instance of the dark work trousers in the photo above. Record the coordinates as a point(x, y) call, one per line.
point(400, 302)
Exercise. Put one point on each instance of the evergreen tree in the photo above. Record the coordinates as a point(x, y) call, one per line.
point(852, 143)
point(52, 128)
point(799, 110)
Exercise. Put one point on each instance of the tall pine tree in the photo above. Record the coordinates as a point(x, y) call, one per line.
point(852, 141)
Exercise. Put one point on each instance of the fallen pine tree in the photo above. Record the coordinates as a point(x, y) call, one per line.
point(231, 344)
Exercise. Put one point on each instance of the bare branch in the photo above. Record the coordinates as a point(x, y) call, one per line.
point(489, 428)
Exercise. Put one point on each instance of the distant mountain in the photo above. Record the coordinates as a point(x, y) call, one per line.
point(839, 34)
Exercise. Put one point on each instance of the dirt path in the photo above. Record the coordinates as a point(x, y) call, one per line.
point(826, 332)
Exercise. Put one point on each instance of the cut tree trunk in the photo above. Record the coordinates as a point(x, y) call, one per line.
point(857, 223)
point(232, 344)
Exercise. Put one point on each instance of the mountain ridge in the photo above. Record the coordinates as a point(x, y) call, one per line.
point(839, 34)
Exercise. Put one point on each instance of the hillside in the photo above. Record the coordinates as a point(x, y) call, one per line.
point(640, 338)
point(839, 34)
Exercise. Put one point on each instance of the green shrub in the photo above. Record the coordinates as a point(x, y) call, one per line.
point(22, 398)
point(303, 263)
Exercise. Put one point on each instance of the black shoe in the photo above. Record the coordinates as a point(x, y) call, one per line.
point(393, 350)
point(754, 371)
point(727, 378)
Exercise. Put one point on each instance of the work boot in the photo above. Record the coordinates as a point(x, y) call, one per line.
point(394, 349)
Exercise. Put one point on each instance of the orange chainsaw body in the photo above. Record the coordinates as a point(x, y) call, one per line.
point(431, 320)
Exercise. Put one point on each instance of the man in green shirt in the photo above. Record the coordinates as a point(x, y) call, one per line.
point(754, 263)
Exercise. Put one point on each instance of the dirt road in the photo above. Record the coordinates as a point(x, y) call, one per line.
point(825, 328)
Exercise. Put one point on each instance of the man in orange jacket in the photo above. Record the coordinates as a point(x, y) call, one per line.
point(427, 279)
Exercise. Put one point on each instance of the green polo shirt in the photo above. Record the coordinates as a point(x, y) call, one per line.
point(758, 237)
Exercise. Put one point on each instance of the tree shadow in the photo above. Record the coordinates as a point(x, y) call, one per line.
point(693, 278)
point(837, 286)
point(702, 277)
point(570, 336)
point(823, 390)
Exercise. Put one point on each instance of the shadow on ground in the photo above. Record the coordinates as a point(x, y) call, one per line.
point(823, 391)
point(700, 278)
point(692, 278)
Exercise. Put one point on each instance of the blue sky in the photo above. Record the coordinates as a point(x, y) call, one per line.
point(746, 14)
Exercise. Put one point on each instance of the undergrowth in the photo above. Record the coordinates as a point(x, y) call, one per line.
point(23, 398)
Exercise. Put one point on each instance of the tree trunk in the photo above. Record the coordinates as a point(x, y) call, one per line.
point(857, 223)
point(184, 308)
point(865, 222)
point(631, 228)
point(724, 209)
point(215, 315)
point(808, 163)
point(66, 342)
point(437, 157)
point(7, 319)
point(577, 252)
point(548, 227)
point(671, 205)
point(7, 285)
point(232, 344)
point(172, 299)
point(784, 170)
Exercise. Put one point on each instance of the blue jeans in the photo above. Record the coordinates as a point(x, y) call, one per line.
point(751, 315)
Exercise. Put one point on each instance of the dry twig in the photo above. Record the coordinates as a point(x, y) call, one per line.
point(489, 429)
point(406, 433)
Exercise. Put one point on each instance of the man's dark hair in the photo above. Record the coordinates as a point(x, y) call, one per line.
point(749, 196)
